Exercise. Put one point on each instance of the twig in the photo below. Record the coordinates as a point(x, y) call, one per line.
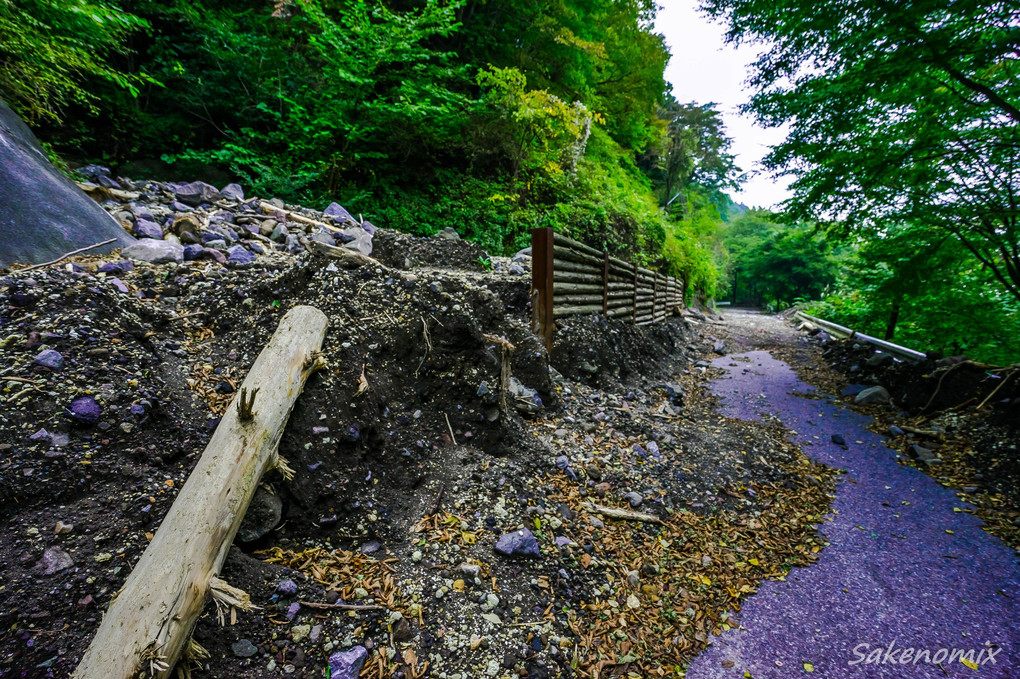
point(191, 315)
point(1001, 384)
point(69, 254)
point(452, 437)
point(22, 379)
point(343, 607)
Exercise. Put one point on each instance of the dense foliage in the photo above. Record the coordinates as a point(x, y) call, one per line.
point(493, 117)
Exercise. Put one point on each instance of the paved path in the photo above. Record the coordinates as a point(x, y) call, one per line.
point(893, 574)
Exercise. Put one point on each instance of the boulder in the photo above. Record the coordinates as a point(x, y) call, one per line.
point(146, 229)
point(359, 240)
point(880, 359)
point(233, 192)
point(873, 395)
point(196, 193)
point(449, 233)
point(154, 251)
point(43, 214)
point(337, 213)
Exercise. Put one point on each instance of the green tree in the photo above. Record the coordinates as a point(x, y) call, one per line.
point(898, 112)
point(49, 47)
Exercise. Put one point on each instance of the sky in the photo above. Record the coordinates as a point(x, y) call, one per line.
point(703, 68)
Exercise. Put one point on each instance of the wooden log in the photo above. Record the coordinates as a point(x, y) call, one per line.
point(318, 248)
point(566, 265)
point(625, 514)
point(569, 243)
point(566, 253)
point(268, 207)
point(579, 288)
point(150, 620)
point(620, 311)
point(562, 311)
point(569, 277)
point(578, 299)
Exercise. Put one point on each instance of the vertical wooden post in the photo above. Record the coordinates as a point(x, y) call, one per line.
point(655, 292)
point(542, 283)
point(605, 283)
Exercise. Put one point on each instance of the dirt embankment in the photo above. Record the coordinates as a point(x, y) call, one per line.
point(407, 493)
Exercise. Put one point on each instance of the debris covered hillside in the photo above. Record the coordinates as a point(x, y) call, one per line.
point(461, 506)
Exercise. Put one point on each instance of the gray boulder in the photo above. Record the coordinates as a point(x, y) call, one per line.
point(196, 193)
point(449, 233)
point(358, 239)
point(43, 214)
point(337, 212)
point(233, 192)
point(873, 395)
point(154, 251)
point(146, 229)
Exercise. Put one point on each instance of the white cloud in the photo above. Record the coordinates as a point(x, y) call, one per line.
point(704, 68)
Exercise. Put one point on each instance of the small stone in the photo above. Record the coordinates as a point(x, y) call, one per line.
point(634, 579)
point(880, 359)
point(633, 499)
point(347, 664)
point(518, 543)
point(872, 395)
point(633, 602)
point(240, 255)
point(895, 431)
point(146, 229)
point(244, 648)
point(63, 528)
point(719, 347)
point(299, 633)
point(54, 560)
point(84, 409)
point(287, 587)
point(122, 266)
point(417, 556)
point(51, 359)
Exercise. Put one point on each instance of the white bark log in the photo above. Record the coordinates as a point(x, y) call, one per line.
point(152, 617)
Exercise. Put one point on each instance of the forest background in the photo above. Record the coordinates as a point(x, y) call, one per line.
point(495, 117)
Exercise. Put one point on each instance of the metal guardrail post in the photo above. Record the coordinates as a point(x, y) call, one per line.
point(542, 284)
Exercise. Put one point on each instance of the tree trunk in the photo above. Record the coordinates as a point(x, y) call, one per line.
point(894, 317)
point(150, 620)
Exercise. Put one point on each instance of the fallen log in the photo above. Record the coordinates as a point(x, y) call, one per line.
point(150, 620)
point(318, 248)
point(625, 514)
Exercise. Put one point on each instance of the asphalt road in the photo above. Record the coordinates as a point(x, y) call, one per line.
point(904, 570)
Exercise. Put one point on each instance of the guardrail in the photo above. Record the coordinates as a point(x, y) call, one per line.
point(842, 332)
point(569, 278)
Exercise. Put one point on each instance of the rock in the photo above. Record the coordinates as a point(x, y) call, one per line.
point(210, 253)
point(357, 239)
point(369, 227)
point(43, 214)
point(196, 193)
point(633, 579)
point(809, 327)
point(233, 192)
point(675, 393)
point(240, 255)
point(923, 454)
point(155, 251)
point(263, 515)
point(370, 547)
point(324, 237)
point(880, 359)
point(719, 347)
point(895, 431)
point(633, 499)
point(63, 528)
point(146, 229)
point(122, 266)
point(192, 252)
point(347, 664)
point(243, 648)
point(525, 399)
point(299, 633)
point(518, 543)
point(337, 212)
point(287, 587)
point(449, 233)
point(515, 270)
point(838, 440)
point(49, 358)
point(54, 560)
point(872, 395)
point(84, 409)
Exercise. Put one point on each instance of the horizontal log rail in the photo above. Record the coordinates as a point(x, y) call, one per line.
point(570, 278)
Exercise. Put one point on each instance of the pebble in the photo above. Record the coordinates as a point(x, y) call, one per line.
point(518, 543)
point(347, 664)
point(48, 358)
point(243, 648)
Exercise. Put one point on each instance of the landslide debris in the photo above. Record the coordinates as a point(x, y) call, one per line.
point(414, 458)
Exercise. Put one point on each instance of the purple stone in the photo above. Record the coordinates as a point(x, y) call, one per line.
point(286, 587)
point(639, 450)
point(233, 192)
point(119, 284)
point(117, 267)
point(192, 252)
point(137, 409)
point(54, 560)
point(347, 664)
point(563, 541)
point(210, 253)
point(519, 543)
point(370, 227)
point(84, 409)
point(338, 213)
point(239, 255)
point(146, 229)
point(50, 359)
point(292, 610)
point(41, 434)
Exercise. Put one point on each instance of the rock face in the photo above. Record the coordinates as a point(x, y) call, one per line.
point(42, 213)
